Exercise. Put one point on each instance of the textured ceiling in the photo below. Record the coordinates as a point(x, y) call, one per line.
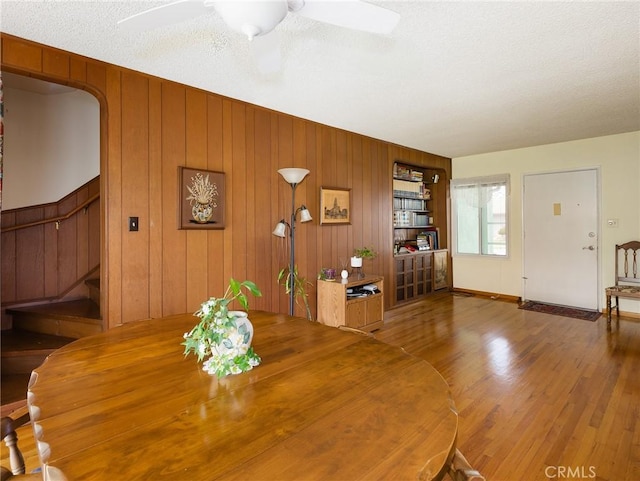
point(454, 78)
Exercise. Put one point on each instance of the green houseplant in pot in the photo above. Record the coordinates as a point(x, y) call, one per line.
point(224, 336)
point(359, 254)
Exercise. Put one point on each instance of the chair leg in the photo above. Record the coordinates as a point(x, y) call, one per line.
point(8, 426)
point(609, 310)
point(16, 461)
point(461, 470)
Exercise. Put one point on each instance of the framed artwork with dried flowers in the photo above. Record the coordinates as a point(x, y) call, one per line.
point(201, 199)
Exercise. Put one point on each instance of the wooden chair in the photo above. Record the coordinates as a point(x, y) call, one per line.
point(9, 425)
point(627, 282)
point(461, 470)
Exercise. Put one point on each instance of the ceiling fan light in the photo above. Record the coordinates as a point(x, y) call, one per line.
point(252, 17)
point(250, 31)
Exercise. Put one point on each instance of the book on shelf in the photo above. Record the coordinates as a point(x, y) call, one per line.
point(404, 218)
point(404, 188)
point(407, 173)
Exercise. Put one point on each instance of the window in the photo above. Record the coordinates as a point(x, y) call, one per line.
point(480, 215)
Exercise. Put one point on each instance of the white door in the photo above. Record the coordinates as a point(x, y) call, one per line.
point(560, 223)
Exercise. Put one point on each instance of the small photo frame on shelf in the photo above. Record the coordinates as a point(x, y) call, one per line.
point(200, 199)
point(335, 206)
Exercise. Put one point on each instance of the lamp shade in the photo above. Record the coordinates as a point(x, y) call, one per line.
point(280, 229)
point(293, 175)
point(305, 215)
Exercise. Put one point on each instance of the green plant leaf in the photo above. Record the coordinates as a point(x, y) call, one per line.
point(234, 286)
point(252, 288)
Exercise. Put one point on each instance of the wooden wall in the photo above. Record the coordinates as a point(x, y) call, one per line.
point(151, 126)
point(45, 262)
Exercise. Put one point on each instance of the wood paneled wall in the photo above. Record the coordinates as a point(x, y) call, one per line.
point(151, 126)
point(45, 262)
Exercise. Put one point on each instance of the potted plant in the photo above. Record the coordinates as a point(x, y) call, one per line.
point(222, 335)
point(299, 287)
point(359, 254)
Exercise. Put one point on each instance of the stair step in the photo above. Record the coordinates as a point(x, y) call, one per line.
point(73, 319)
point(14, 392)
point(94, 290)
point(22, 352)
point(39, 330)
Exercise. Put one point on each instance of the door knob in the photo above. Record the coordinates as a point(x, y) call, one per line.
point(589, 248)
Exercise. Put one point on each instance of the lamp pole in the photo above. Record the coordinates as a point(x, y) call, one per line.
point(293, 176)
point(292, 254)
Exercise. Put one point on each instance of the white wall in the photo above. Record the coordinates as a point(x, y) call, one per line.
point(617, 157)
point(51, 145)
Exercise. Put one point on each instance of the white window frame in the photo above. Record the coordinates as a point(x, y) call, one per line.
point(478, 183)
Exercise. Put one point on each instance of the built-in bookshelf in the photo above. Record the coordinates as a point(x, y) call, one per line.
point(417, 200)
point(412, 194)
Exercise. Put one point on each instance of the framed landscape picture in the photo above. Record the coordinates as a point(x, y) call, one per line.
point(335, 206)
point(440, 270)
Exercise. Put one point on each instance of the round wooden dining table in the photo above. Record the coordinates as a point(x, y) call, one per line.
point(324, 404)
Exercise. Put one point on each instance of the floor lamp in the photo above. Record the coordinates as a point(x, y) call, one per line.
point(293, 176)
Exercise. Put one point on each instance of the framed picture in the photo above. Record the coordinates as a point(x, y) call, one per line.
point(440, 270)
point(335, 206)
point(201, 199)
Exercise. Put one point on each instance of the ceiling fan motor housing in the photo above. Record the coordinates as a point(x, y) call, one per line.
point(251, 18)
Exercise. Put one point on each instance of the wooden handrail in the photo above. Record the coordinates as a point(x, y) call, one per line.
point(58, 219)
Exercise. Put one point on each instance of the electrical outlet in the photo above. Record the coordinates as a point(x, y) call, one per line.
point(612, 222)
point(133, 224)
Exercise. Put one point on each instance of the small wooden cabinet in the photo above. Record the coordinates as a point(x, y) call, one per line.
point(419, 274)
point(336, 309)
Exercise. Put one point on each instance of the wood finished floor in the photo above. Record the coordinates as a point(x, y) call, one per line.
point(538, 395)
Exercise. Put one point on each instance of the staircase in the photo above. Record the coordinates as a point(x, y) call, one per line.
point(37, 331)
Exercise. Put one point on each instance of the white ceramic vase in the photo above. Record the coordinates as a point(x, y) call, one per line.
point(238, 339)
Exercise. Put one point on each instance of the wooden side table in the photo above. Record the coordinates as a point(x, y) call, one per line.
point(336, 308)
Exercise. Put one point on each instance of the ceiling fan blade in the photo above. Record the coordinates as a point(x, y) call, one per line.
point(352, 14)
point(164, 15)
point(266, 53)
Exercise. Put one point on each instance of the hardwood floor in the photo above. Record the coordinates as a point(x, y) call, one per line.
point(539, 396)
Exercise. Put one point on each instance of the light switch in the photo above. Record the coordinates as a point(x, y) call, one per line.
point(133, 224)
point(557, 208)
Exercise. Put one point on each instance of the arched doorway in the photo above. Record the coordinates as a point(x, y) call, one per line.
point(51, 169)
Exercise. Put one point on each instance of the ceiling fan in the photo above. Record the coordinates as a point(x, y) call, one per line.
point(257, 18)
